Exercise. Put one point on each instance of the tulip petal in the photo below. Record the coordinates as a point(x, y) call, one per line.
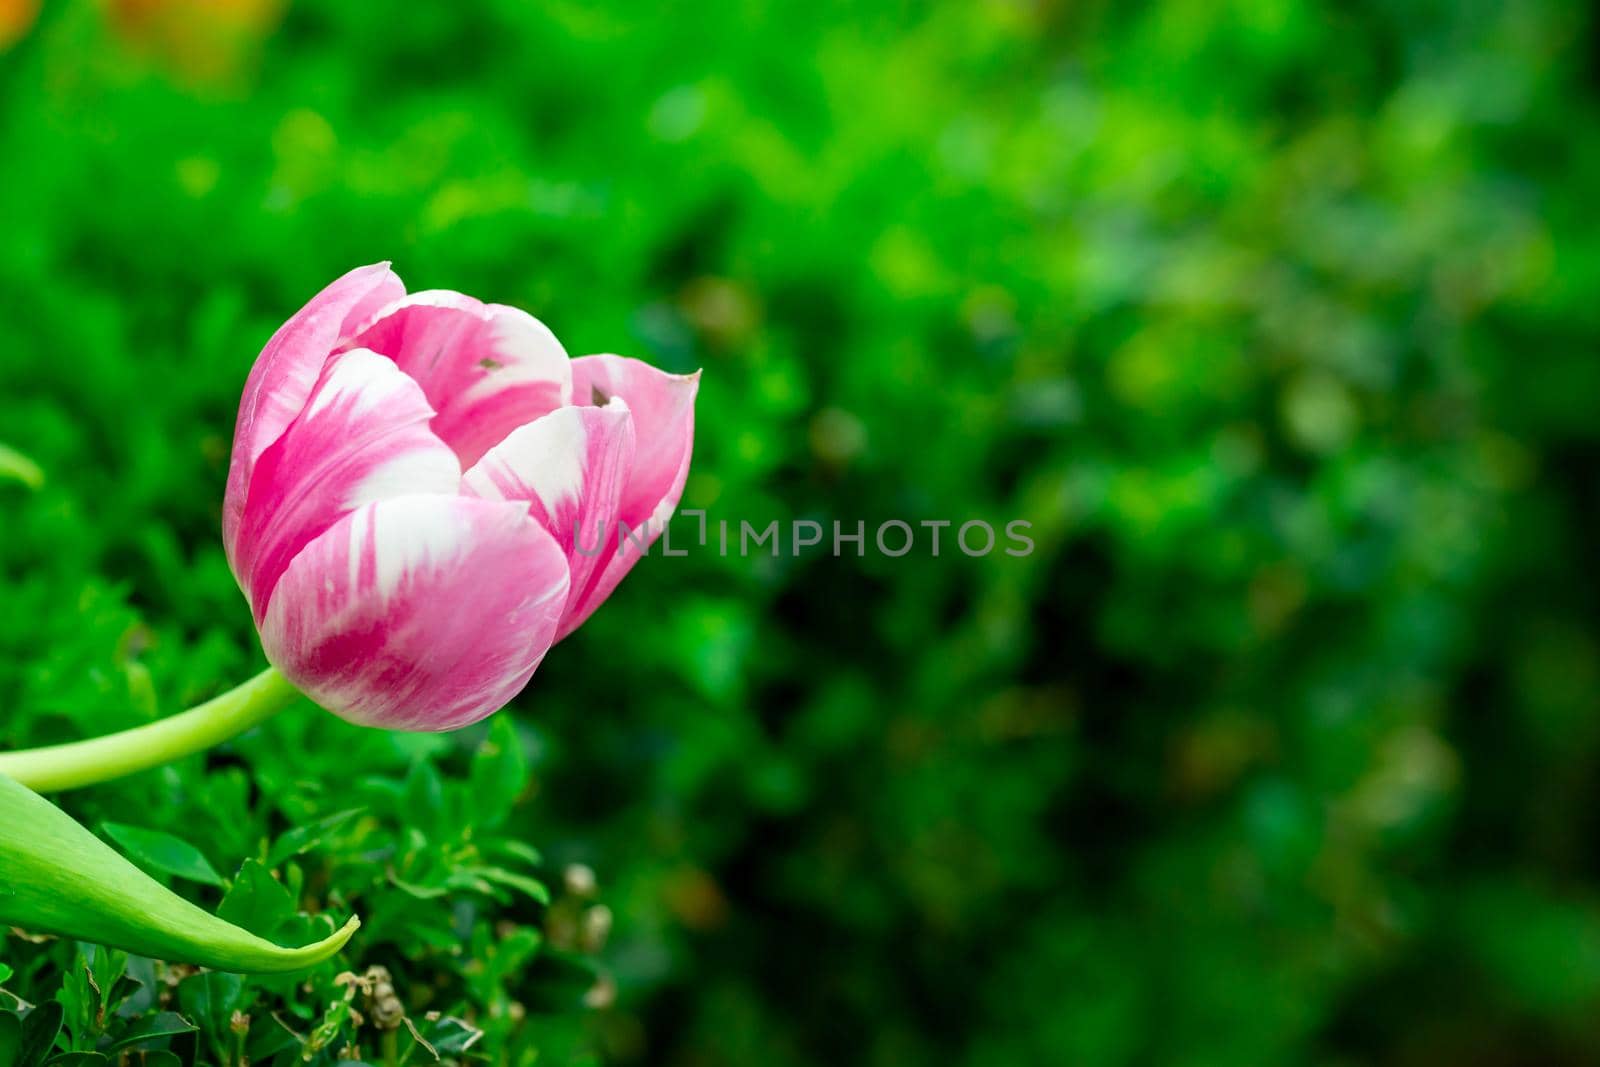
point(363, 436)
point(662, 406)
point(485, 368)
point(569, 466)
point(418, 612)
point(287, 370)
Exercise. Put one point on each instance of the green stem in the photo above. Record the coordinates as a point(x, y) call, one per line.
point(80, 763)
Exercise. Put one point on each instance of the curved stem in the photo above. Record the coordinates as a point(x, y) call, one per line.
point(79, 763)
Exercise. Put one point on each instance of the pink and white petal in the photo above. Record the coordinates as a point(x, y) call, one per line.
point(663, 419)
point(283, 376)
point(662, 406)
point(418, 612)
point(569, 467)
point(363, 437)
point(485, 368)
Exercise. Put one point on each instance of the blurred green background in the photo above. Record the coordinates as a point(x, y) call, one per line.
point(1277, 320)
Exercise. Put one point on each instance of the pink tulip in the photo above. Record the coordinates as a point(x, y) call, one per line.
point(426, 494)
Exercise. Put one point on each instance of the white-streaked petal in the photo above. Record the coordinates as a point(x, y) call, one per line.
point(283, 376)
point(569, 466)
point(662, 406)
point(418, 612)
point(485, 368)
point(363, 437)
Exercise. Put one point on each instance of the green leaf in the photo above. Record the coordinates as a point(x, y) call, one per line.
point(451, 1036)
point(40, 1029)
point(256, 901)
point(92, 990)
point(10, 1039)
point(164, 852)
point(5, 974)
point(211, 998)
point(14, 466)
point(158, 1057)
point(520, 882)
point(423, 802)
point(150, 1028)
point(518, 850)
point(418, 890)
point(56, 877)
point(499, 772)
point(78, 997)
point(77, 1059)
point(266, 1041)
point(303, 839)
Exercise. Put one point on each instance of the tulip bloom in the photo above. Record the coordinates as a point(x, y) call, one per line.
point(425, 495)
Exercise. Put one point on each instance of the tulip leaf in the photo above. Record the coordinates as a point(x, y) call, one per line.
point(163, 852)
point(58, 878)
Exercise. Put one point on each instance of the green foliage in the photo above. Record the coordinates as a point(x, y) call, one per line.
point(163, 853)
point(58, 878)
point(1276, 320)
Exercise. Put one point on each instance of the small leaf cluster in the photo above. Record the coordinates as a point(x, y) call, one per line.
point(452, 959)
